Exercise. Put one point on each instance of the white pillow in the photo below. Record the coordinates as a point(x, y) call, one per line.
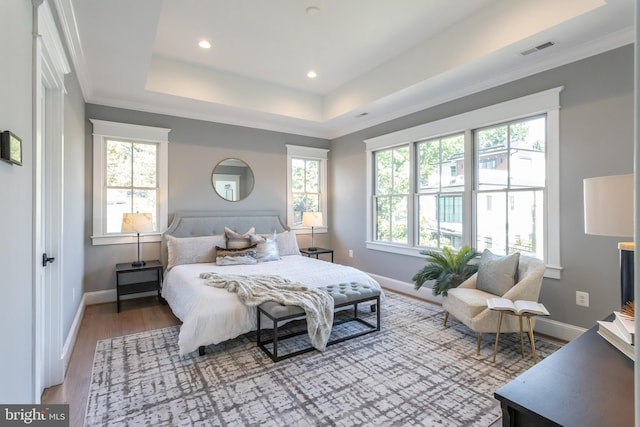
point(287, 243)
point(266, 247)
point(237, 240)
point(192, 250)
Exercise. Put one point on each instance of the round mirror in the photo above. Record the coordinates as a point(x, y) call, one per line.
point(232, 179)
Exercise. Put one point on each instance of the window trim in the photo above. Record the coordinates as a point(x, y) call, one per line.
point(545, 102)
point(309, 153)
point(102, 130)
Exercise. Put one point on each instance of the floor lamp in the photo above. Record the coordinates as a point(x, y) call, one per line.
point(137, 223)
point(608, 211)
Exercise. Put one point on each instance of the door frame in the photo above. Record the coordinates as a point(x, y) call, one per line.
point(50, 66)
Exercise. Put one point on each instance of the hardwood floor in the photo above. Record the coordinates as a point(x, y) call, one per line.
point(100, 322)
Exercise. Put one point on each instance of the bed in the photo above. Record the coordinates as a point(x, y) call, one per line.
point(212, 315)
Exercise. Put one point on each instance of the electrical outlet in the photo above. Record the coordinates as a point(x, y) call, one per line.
point(582, 298)
point(350, 253)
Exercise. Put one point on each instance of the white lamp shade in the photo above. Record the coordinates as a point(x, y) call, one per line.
point(608, 205)
point(137, 222)
point(312, 219)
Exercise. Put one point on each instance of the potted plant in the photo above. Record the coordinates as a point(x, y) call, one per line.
point(448, 268)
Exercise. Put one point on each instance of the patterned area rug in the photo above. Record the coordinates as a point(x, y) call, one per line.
point(413, 372)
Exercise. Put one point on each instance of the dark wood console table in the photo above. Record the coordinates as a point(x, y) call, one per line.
point(588, 382)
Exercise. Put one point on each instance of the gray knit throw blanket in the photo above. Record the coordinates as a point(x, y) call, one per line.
point(253, 290)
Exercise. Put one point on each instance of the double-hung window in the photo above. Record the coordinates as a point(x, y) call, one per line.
point(306, 183)
point(511, 186)
point(487, 178)
point(129, 176)
point(440, 191)
point(391, 198)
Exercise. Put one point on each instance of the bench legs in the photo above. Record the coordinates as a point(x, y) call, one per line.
point(277, 338)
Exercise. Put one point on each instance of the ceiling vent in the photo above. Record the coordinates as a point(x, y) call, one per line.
point(537, 48)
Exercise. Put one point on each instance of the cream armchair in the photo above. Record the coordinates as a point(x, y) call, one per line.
point(469, 304)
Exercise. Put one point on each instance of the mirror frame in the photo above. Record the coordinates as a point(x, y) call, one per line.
point(241, 194)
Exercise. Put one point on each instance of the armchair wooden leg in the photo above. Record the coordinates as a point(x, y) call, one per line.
point(446, 317)
point(521, 337)
point(532, 340)
point(479, 341)
point(495, 347)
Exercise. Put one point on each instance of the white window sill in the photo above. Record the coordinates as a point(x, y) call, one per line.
point(120, 239)
point(551, 271)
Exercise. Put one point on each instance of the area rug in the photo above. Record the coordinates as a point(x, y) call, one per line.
point(414, 372)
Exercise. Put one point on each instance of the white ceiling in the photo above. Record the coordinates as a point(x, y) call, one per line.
point(380, 57)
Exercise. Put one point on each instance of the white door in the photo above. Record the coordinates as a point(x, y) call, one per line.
point(47, 210)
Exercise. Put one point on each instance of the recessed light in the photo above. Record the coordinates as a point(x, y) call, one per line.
point(312, 74)
point(204, 44)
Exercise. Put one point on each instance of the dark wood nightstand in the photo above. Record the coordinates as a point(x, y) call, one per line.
point(133, 280)
point(314, 252)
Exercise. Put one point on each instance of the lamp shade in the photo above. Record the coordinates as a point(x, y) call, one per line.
point(312, 219)
point(608, 205)
point(137, 222)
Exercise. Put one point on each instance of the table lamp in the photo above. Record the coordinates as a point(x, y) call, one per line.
point(312, 219)
point(608, 211)
point(137, 223)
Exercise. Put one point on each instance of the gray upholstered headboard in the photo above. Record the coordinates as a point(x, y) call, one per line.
point(209, 223)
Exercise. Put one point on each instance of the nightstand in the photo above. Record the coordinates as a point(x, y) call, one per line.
point(133, 280)
point(316, 251)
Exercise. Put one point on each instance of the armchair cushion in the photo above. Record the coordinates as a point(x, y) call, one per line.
point(497, 274)
point(467, 303)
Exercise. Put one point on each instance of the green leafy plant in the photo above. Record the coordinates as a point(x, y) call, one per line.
point(448, 268)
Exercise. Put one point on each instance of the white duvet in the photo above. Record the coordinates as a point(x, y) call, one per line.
point(211, 315)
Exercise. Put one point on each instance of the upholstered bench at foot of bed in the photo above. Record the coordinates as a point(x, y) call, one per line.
point(344, 295)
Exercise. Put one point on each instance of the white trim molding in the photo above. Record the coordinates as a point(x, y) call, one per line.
point(546, 102)
point(312, 153)
point(103, 130)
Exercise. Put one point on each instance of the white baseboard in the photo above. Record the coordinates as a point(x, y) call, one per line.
point(543, 325)
point(423, 293)
point(90, 298)
point(110, 295)
point(70, 342)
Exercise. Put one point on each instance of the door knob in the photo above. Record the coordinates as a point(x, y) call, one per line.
point(46, 259)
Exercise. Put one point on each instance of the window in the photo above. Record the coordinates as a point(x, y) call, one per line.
point(306, 183)
point(515, 185)
point(392, 195)
point(440, 191)
point(129, 175)
point(487, 178)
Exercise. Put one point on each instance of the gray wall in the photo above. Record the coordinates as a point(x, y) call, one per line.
point(195, 148)
point(16, 244)
point(596, 131)
point(596, 137)
point(74, 218)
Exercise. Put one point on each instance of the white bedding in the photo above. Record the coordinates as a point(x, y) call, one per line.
point(211, 315)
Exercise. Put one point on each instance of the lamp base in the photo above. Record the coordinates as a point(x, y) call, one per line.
point(312, 249)
point(138, 263)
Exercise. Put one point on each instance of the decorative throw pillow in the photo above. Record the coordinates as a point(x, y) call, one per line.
point(236, 256)
point(237, 240)
point(266, 247)
point(192, 250)
point(497, 274)
point(287, 243)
